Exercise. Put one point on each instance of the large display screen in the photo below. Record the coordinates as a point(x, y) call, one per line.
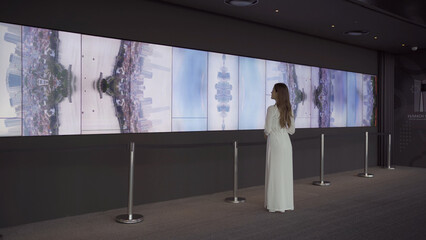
point(60, 83)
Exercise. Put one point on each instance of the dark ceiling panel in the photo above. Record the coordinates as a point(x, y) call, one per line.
point(413, 11)
point(315, 18)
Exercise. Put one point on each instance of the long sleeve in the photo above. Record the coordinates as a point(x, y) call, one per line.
point(292, 129)
point(268, 121)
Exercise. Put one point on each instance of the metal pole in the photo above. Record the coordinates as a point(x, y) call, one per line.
point(321, 182)
point(130, 202)
point(235, 170)
point(235, 198)
point(389, 153)
point(365, 173)
point(130, 217)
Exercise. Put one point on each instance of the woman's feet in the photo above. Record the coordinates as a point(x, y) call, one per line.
point(277, 211)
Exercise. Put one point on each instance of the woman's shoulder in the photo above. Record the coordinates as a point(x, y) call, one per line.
point(272, 109)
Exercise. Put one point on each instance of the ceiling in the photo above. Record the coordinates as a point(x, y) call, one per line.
point(393, 23)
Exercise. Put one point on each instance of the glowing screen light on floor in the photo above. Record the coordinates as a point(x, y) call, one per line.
point(61, 83)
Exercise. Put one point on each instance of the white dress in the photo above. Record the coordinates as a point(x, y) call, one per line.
point(279, 163)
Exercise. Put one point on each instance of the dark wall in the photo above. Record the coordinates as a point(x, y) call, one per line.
point(386, 111)
point(410, 118)
point(49, 177)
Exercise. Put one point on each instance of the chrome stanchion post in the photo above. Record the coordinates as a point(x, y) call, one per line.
point(365, 173)
point(321, 182)
point(130, 217)
point(235, 198)
point(389, 153)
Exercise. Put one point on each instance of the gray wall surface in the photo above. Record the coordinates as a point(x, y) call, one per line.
point(55, 176)
point(410, 119)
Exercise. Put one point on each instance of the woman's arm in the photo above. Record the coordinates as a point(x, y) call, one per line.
point(292, 129)
point(268, 122)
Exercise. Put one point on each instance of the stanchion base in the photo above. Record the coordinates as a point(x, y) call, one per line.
point(235, 200)
point(390, 168)
point(321, 183)
point(366, 175)
point(136, 218)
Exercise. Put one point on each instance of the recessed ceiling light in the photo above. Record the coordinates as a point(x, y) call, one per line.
point(356, 32)
point(403, 44)
point(241, 3)
point(375, 37)
point(332, 26)
point(276, 10)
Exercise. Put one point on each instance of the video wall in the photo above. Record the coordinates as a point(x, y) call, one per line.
point(60, 83)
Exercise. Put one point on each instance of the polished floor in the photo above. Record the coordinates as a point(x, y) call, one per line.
point(392, 205)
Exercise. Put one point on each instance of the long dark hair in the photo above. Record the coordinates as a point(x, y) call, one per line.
point(283, 104)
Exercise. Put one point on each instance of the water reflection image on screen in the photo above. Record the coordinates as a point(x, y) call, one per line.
point(151, 79)
point(354, 96)
point(69, 110)
point(100, 84)
point(222, 92)
point(251, 93)
point(337, 100)
point(298, 80)
point(189, 104)
point(10, 80)
point(322, 95)
point(48, 83)
point(369, 100)
point(315, 110)
point(300, 92)
point(61, 83)
point(276, 72)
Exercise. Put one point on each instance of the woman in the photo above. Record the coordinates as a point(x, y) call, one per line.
point(279, 155)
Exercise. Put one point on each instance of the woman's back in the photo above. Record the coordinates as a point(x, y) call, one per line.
point(272, 124)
